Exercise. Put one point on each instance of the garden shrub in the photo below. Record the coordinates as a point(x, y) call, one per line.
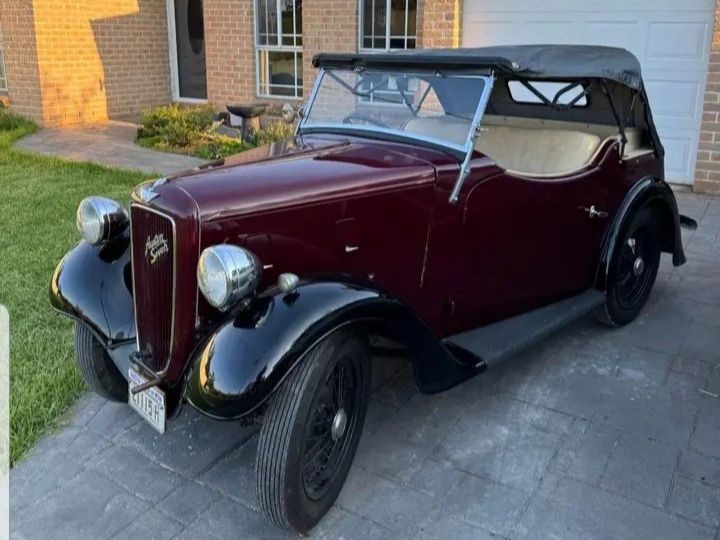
point(194, 130)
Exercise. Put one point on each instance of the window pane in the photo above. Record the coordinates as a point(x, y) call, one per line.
point(366, 23)
point(267, 22)
point(288, 23)
point(278, 75)
point(435, 107)
point(401, 21)
point(412, 18)
point(379, 24)
point(397, 18)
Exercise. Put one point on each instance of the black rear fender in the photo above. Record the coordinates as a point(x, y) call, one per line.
point(657, 195)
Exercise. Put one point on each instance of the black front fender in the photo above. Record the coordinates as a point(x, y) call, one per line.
point(239, 365)
point(90, 284)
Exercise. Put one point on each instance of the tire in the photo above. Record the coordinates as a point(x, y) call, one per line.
point(630, 281)
point(294, 489)
point(96, 366)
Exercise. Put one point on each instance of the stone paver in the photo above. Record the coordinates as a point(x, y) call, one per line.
point(111, 144)
point(595, 433)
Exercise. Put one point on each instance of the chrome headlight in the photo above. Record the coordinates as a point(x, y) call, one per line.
point(100, 219)
point(227, 274)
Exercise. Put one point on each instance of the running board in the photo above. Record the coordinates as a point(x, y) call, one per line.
point(494, 343)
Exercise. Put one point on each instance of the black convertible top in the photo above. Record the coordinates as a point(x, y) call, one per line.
point(546, 62)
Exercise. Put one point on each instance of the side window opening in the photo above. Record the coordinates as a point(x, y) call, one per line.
point(522, 92)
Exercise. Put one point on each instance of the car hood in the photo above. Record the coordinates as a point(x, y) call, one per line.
point(300, 171)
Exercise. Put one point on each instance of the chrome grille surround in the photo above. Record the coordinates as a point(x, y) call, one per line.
point(146, 316)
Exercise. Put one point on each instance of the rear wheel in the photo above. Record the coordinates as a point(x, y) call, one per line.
point(633, 269)
point(96, 366)
point(311, 431)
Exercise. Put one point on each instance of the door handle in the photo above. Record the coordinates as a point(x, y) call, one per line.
point(593, 212)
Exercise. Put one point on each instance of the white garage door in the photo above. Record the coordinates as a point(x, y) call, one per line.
point(670, 37)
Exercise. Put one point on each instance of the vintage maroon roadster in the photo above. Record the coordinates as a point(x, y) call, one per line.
point(463, 203)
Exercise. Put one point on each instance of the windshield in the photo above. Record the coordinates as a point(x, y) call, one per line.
point(435, 107)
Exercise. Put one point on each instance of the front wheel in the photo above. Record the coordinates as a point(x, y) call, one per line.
point(311, 430)
point(96, 366)
point(633, 269)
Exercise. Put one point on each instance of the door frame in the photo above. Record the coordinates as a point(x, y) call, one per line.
point(173, 57)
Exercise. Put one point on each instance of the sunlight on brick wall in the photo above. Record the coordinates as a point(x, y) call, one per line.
point(82, 61)
point(21, 66)
point(439, 23)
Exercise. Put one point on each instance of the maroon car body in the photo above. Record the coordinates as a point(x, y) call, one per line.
point(397, 234)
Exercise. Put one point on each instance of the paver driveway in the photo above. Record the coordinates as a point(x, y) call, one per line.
point(596, 433)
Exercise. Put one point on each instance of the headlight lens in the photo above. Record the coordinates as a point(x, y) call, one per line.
point(227, 274)
point(100, 219)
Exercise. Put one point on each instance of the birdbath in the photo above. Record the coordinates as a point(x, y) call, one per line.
point(246, 116)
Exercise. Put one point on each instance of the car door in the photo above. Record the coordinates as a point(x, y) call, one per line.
point(526, 242)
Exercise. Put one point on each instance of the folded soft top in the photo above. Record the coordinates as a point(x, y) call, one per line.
point(546, 62)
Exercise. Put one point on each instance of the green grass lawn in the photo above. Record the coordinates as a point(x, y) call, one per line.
point(39, 196)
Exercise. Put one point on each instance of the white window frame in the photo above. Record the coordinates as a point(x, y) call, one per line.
point(3, 70)
point(388, 16)
point(279, 47)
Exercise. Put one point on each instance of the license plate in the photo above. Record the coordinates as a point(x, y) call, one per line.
point(150, 403)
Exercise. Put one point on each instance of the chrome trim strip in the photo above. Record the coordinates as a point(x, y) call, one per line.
point(132, 263)
point(199, 225)
point(472, 137)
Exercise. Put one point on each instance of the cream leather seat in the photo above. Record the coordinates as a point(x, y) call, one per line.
point(531, 146)
point(551, 152)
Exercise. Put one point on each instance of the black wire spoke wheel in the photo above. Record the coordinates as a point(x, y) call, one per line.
point(634, 269)
point(311, 431)
point(633, 273)
point(331, 428)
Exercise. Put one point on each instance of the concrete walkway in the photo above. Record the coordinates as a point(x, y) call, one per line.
point(111, 144)
point(596, 433)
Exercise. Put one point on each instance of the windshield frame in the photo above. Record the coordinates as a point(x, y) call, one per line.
point(461, 151)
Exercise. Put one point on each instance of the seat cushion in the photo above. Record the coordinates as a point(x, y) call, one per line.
point(538, 151)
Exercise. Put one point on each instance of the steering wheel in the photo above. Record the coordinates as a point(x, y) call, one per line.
point(363, 118)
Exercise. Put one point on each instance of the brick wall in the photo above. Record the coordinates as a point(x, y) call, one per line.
point(81, 61)
point(229, 51)
point(90, 59)
point(439, 23)
point(21, 63)
point(328, 25)
point(707, 171)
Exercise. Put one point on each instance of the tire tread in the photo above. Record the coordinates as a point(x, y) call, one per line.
point(274, 441)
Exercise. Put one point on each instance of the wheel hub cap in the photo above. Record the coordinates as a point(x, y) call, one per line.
point(339, 424)
point(638, 266)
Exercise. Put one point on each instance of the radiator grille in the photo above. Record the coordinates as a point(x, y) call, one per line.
point(153, 257)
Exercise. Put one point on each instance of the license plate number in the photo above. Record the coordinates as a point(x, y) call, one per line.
point(150, 403)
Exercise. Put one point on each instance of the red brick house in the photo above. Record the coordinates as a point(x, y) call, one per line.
point(79, 61)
